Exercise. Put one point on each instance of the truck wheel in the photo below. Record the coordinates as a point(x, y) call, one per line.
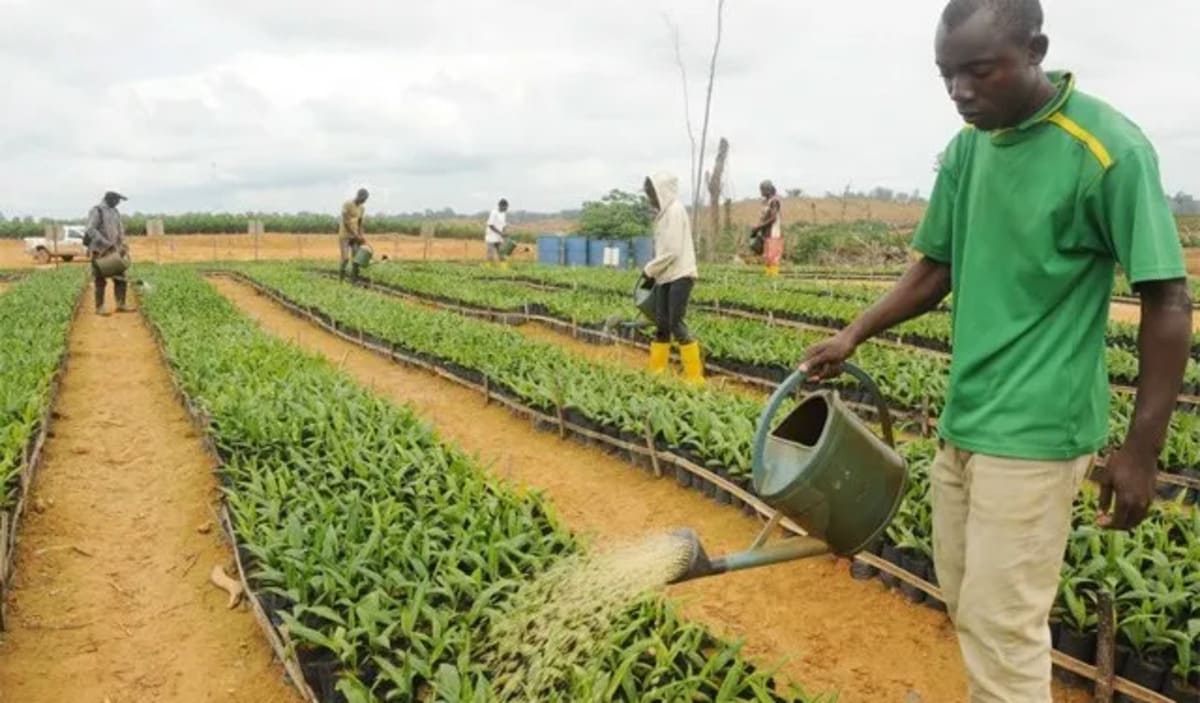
point(41, 256)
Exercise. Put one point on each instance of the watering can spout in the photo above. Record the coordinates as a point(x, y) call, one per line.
point(823, 468)
point(695, 562)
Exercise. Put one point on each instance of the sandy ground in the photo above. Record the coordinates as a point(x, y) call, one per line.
point(240, 247)
point(827, 630)
point(1131, 313)
point(112, 601)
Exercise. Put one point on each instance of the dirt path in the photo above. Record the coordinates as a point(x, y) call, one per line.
point(830, 632)
point(112, 601)
point(1131, 313)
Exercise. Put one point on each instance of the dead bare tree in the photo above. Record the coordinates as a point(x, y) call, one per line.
point(687, 103)
point(715, 186)
point(696, 176)
point(712, 74)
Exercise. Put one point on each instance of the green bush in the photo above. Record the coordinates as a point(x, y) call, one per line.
point(855, 243)
point(618, 215)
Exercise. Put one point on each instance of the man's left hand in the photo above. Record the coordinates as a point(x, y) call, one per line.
point(1132, 476)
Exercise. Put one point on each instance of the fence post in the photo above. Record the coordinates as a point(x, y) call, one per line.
point(1105, 648)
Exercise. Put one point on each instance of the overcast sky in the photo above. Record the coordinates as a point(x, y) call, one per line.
point(288, 105)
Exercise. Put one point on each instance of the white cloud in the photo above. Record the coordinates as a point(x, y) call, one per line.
point(215, 104)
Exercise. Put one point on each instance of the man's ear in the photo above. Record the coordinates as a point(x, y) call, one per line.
point(1039, 46)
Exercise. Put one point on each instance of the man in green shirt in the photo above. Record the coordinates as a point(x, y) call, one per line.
point(1037, 200)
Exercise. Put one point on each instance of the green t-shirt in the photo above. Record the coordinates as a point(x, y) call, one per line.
point(1032, 221)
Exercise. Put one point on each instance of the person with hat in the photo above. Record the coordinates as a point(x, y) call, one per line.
point(350, 233)
point(105, 233)
point(770, 227)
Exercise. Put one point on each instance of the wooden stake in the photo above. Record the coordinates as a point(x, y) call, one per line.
point(3, 549)
point(558, 409)
point(1105, 648)
point(653, 451)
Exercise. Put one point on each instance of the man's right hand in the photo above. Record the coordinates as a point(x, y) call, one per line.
point(824, 359)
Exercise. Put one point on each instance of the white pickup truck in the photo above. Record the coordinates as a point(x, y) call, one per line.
point(44, 250)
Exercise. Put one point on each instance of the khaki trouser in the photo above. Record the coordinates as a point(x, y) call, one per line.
point(347, 248)
point(1000, 528)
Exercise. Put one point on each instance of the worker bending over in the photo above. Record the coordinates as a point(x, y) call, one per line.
point(1036, 200)
point(673, 271)
point(350, 233)
point(494, 233)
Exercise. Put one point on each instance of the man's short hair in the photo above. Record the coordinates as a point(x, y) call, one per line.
point(503, 202)
point(1020, 19)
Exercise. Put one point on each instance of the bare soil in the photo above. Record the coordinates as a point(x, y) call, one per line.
point(111, 600)
point(823, 628)
point(1132, 313)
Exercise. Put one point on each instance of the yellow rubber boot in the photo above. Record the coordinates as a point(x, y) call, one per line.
point(660, 356)
point(693, 365)
point(772, 271)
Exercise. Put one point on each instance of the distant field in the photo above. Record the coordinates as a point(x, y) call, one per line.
point(746, 212)
point(241, 247)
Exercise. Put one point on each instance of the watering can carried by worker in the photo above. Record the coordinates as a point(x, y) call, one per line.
point(645, 295)
point(823, 468)
point(363, 254)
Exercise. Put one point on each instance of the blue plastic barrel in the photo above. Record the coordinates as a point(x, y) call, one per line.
point(550, 250)
point(643, 250)
point(595, 248)
point(576, 251)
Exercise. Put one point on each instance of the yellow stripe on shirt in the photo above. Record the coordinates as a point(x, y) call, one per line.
point(1089, 140)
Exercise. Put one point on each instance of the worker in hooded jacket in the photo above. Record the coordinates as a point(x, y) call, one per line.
point(673, 270)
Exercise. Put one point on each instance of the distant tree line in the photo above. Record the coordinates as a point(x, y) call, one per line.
point(1184, 204)
point(881, 194)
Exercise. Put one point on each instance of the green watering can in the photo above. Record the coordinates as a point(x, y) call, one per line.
point(112, 264)
point(362, 255)
point(508, 247)
point(823, 468)
point(644, 297)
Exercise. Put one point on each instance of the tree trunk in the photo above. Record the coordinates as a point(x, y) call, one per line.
point(714, 200)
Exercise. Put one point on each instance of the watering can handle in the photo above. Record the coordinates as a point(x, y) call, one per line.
point(791, 383)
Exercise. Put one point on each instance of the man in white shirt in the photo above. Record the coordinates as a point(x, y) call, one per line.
point(494, 234)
